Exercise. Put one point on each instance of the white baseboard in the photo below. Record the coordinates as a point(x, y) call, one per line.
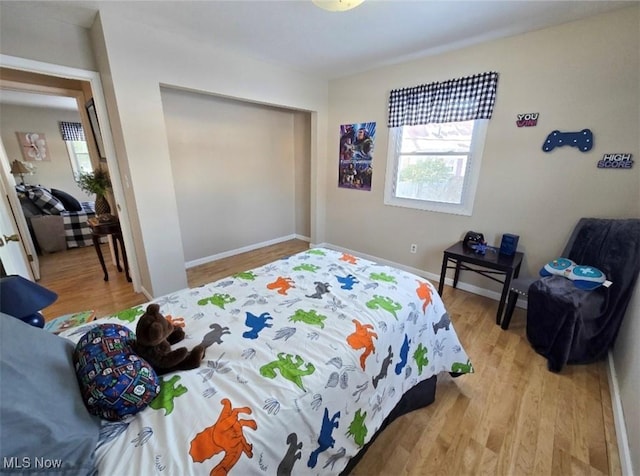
point(237, 251)
point(618, 420)
point(146, 293)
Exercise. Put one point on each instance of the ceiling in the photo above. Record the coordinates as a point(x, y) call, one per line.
point(298, 35)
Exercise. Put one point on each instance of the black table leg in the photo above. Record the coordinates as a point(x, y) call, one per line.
point(457, 275)
point(115, 252)
point(443, 273)
point(517, 271)
point(125, 261)
point(503, 297)
point(508, 313)
point(110, 228)
point(96, 245)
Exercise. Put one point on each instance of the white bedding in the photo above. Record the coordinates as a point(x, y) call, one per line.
point(306, 357)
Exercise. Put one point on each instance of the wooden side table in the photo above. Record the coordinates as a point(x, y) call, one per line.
point(493, 262)
point(99, 229)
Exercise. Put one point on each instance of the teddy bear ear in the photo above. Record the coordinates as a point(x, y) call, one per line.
point(153, 308)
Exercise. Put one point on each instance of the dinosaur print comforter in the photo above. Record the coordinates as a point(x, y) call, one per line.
point(305, 358)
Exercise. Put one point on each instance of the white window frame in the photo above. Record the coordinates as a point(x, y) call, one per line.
point(73, 158)
point(471, 177)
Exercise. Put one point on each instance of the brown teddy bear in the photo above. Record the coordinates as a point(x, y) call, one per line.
point(154, 337)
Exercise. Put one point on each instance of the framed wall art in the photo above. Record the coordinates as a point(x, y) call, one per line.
point(95, 128)
point(34, 146)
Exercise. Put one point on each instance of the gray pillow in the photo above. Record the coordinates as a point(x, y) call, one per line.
point(45, 425)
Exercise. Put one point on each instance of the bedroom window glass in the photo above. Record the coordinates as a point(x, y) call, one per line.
point(79, 156)
point(435, 166)
point(436, 139)
point(73, 135)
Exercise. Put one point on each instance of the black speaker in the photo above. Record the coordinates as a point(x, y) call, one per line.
point(509, 244)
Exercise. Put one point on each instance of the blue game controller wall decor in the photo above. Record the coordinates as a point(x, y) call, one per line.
point(583, 140)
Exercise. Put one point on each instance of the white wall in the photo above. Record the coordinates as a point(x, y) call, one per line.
point(626, 358)
point(135, 80)
point(234, 170)
point(56, 172)
point(579, 75)
point(134, 61)
point(302, 163)
point(584, 74)
point(28, 33)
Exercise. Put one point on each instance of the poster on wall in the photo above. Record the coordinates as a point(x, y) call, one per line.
point(356, 155)
point(33, 145)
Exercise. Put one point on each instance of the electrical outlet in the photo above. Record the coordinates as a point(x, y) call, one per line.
point(413, 248)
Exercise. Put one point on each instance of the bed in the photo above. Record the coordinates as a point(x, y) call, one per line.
point(307, 359)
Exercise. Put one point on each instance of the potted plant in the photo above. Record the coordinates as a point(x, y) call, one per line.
point(98, 183)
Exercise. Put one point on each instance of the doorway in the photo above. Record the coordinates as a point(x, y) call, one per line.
point(50, 109)
point(27, 74)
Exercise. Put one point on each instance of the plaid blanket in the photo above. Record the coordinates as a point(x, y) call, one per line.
point(76, 228)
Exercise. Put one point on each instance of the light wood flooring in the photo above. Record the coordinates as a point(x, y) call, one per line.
point(75, 274)
point(511, 417)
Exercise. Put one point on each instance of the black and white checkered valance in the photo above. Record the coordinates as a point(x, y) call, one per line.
point(71, 131)
point(461, 99)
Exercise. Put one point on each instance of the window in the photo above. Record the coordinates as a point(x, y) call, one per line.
point(79, 156)
point(73, 136)
point(435, 166)
point(436, 139)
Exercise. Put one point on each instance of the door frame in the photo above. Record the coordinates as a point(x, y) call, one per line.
point(93, 78)
point(15, 258)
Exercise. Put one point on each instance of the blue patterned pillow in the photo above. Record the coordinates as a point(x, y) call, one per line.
point(114, 381)
point(584, 277)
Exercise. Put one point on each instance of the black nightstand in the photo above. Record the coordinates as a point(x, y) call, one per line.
point(493, 262)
